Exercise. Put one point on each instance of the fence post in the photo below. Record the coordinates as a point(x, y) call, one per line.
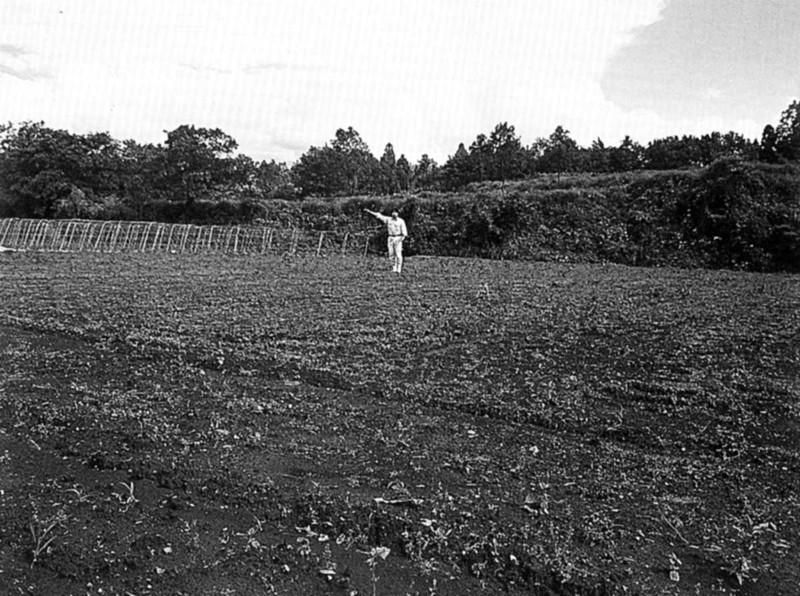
point(198, 241)
point(100, 235)
point(208, 241)
point(94, 246)
point(65, 236)
point(47, 237)
point(127, 237)
point(88, 228)
point(366, 246)
point(344, 243)
point(36, 234)
point(169, 238)
point(319, 244)
point(28, 229)
point(15, 237)
point(185, 236)
point(115, 236)
point(227, 241)
point(157, 237)
point(4, 225)
point(40, 242)
point(143, 243)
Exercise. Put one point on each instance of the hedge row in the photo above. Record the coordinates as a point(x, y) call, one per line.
point(734, 214)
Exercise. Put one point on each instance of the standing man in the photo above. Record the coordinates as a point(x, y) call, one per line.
point(397, 233)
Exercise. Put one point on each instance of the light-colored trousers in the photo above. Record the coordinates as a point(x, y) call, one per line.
point(395, 245)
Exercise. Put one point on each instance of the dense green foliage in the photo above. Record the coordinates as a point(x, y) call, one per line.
point(733, 214)
point(717, 200)
point(56, 174)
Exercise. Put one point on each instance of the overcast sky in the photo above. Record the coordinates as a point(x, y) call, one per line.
point(282, 75)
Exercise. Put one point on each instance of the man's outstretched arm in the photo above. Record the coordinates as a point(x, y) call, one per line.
point(376, 214)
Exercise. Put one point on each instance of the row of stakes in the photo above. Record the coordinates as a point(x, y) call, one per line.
point(117, 236)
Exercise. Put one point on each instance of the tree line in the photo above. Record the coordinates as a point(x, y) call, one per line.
point(50, 173)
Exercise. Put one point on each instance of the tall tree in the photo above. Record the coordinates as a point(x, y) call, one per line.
point(668, 153)
point(243, 178)
point(43, 168)
point(627, 157)
point(480, 159)
point(389, 183)
point(426, 171)
point(498, 156)
point(141, 170)
point(598, 156)
point(346, 166)
point(318, 172)
point(788, 133)
point(198, 160)
point(403, 173)
point(273, 180)
point(733, 144)
point(508, 160)
point(458, 170)
point(559, 153)
point(768, 149)
point(355, 158)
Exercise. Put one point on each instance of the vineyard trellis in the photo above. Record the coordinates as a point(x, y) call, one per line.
point(72, 235)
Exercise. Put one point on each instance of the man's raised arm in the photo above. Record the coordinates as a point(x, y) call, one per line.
point(376, 214)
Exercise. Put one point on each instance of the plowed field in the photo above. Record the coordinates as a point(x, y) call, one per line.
point(189, 424)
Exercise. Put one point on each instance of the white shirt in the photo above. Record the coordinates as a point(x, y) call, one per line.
point(396, 227)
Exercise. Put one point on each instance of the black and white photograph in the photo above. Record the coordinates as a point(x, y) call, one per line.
point(399, 298)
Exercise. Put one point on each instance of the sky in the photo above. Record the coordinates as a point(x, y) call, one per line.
point(280, 76)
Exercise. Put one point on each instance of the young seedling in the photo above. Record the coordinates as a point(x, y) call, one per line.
point(78, 492)
point(741, 568)
point(374, 555)
point(128, 499)
point(41, 532)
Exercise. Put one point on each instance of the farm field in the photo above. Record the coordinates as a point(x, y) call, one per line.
point(207, 424)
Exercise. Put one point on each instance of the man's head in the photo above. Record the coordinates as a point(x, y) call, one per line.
point(394, 214)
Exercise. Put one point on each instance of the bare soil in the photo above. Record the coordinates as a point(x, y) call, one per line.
point(253, 425)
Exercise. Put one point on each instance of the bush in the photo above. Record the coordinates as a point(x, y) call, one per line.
point(751, 214)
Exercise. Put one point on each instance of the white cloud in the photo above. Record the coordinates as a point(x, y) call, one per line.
point(281, 75)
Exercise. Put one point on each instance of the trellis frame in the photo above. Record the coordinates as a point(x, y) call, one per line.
point(81, 235)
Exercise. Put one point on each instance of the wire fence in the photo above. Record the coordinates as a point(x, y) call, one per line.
point(75, 235)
